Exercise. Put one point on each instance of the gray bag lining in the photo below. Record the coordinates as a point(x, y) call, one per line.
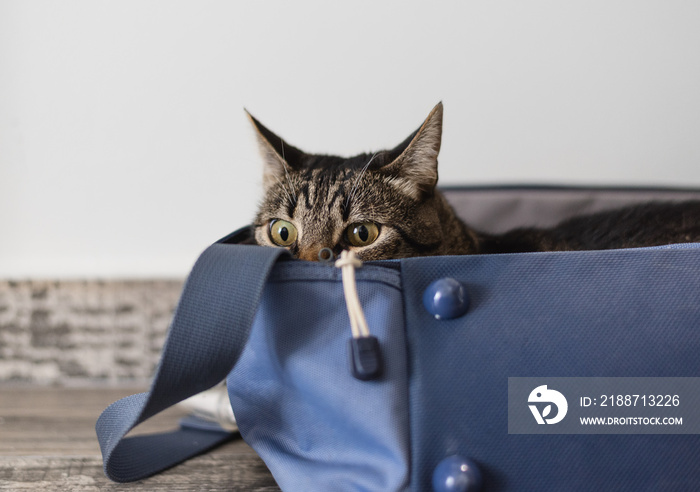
point(497, 210)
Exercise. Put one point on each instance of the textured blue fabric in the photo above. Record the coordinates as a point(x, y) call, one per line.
point(444, 389)
point(612, 313)
point(208, 333)
point(293, 394)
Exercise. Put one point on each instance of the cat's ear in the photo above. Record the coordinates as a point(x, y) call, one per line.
point(414, 161)
point(278, 156)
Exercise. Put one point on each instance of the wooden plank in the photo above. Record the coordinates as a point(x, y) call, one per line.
point(48, 442)
point(206, 473)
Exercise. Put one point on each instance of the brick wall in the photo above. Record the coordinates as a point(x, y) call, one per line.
point(73, 332)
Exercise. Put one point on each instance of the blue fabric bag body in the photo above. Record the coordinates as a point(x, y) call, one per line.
point(625, 313)
point(295, 400)
point(279, 329)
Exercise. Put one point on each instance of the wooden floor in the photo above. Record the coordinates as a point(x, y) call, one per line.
point(47, 442)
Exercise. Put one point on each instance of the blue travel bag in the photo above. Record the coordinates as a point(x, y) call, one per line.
point(436, 416)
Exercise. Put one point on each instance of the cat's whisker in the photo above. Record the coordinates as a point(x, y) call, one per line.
point(284, 188)
point(286, 172)
point(357, 180)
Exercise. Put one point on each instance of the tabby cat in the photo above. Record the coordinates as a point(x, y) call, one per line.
point(386, 205)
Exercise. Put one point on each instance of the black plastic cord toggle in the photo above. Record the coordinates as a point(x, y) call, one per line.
point(365, 357)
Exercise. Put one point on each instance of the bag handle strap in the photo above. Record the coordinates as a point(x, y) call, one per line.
point(208, 333)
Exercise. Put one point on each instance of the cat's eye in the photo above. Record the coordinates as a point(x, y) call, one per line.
point(282, 233)
point(362, 234)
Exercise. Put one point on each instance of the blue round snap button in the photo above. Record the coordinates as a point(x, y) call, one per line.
point(446, 299)
point(456, 474)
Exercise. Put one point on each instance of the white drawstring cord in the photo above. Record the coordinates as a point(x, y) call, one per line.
point(347, 263)
point(365, 353)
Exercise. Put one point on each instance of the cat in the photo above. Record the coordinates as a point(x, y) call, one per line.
point(385, 205)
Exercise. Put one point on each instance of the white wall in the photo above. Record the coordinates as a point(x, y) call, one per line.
point(124, 150)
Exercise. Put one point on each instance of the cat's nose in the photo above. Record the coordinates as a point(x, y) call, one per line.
point(311, 253)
